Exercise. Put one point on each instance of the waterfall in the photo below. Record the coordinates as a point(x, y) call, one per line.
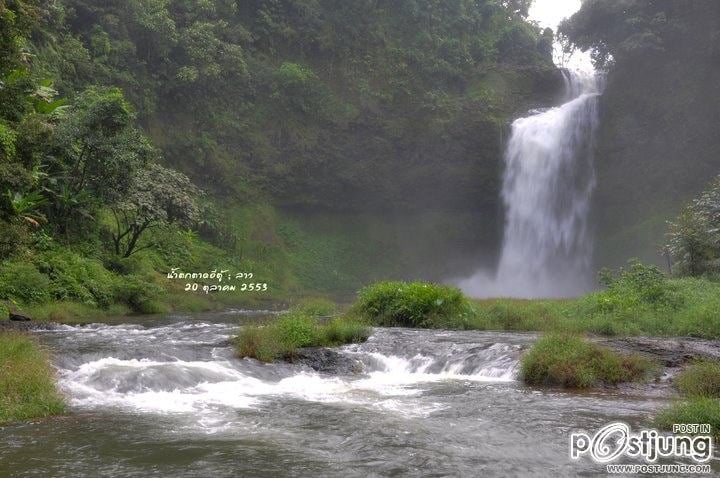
point(547, 187)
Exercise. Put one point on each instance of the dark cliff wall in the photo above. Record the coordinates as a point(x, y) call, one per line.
point(659, 141)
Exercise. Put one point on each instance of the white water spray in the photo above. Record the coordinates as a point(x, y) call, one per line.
point(195, 375)
point(547, 186)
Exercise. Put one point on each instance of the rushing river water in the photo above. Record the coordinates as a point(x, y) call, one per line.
point(169, 399)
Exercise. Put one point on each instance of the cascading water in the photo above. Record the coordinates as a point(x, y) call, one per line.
point(195, 372)
point(170, 398)
point(547, 186)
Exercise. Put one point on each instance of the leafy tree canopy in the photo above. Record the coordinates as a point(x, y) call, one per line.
point(627, 30)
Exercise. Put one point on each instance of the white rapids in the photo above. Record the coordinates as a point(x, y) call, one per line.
point(195, 373)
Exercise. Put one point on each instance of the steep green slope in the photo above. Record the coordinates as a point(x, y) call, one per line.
point(318, 103)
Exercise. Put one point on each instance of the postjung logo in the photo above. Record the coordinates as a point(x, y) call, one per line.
point(616, 440)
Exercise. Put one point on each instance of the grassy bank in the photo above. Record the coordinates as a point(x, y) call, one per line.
point(692, 410)
point(638, 300)
point(73, 283)
point(27, 388)
point(699, 384)
point(682, 307)
point(82, 281)
point(306, 325)
point(573, 362)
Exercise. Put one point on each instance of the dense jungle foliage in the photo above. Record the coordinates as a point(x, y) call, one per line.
point(141, 135)
point(331, 104)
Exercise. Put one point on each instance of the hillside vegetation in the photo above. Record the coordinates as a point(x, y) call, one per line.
point(318, 103)
point(138, 136)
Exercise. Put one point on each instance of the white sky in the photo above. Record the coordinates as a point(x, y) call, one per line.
point(549, 13)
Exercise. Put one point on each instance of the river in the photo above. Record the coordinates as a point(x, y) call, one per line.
point(168, 398)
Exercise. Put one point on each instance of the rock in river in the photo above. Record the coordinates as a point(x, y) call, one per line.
point(326, 360)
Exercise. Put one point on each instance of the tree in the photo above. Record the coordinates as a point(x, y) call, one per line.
point(694, 237)
point(627, 31)
point(96, 149)
point(157, 197)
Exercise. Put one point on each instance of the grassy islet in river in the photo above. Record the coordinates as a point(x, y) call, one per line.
point(306, 325)
point(573, 362)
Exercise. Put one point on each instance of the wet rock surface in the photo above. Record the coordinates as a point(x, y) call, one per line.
point(19, 318)
point(327, 360)
point(669, 352)
point(672, 354)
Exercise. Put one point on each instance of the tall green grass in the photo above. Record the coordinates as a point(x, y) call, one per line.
point(573, 362)
point(27, 388)
point(701, 379)
point(693, 410)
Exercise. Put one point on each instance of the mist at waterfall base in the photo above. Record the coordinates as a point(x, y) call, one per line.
point(547, 189)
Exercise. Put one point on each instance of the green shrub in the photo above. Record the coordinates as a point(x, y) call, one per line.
point(27, 388)
point(13, 236)
point(133, 265)
point(76, 278)
point(413, 304)
point(573, 362)
point(693, 243)
point(639, 285)
point(700, 379)
point(141, 295)
point(22, 282)
point(4, 311)
point(694, 410)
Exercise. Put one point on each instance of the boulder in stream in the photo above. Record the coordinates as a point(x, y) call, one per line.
point(327, 360)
